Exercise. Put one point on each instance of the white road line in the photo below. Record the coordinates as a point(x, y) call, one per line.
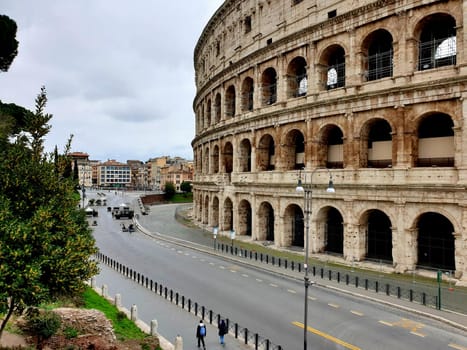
point(335, 306)
point(311, 298)
point(356, 313)
point(273, 285)
point(245, 275)
point(418, 334)
point(458, 347)
point(386, 323)
point(258, 280)
point(291, 291)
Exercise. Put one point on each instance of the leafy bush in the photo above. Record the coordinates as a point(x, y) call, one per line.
point(42, 325)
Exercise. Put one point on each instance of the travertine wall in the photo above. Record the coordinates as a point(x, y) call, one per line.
point(247, 162)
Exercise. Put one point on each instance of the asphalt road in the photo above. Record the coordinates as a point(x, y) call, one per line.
point(265, 303)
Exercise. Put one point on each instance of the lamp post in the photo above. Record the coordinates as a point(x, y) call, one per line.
point(306, 189)
point(214, 234)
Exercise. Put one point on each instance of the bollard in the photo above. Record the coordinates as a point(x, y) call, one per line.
point(178, 343)
point(118, 300)
point(93, 282)
point(154, 326)
point(105, 290)
point(134, 312)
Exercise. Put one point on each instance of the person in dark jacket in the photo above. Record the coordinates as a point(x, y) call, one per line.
point(201, 333)
point(222, 331)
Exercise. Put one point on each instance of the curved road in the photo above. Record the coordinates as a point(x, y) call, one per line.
point(262, 302)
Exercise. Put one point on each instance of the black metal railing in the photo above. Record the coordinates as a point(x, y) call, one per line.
point(249, 337)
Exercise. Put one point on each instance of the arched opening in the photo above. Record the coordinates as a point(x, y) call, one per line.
point(247, 94)
point(245, 156)
point(230, 102)
point(379, 60)
point(436, 246)
point(206, 211)
point(217, 109)
point(332, 150)
point(265, 153)
point(266, 222)
point(269, 86)
point(294, 150)
point(333, 62)
point(228, 215)
point(215, 212)
point(215, 160)
point(208, 112)
point(244, 218)
point(206, 161)
point(297, 80)
point(334, 241)
point(294, 226)
point(437, 44)
point(379, 236)
point(436, 141)
point(379, 144)
point(228, 157)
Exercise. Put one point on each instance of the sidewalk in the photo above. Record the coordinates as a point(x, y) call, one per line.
point(197, 239)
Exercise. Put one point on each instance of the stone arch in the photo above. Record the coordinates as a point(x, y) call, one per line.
point(331, 147)
point(265, 153)
point(215, 160)
point(227, 224)
point(244, 218)
point(208, 112)
point(247, 94)
point(217, 108)
point(333, 230)
point(435, 136)
point(206, 161)
point(230, 102)
point(376, 144)
point(215, 212)
point(332, 61)
point(378, 55)
point(227, 156)
point(266, 222)
point(294, 226)
point(436, 34)
point(206, 210)
point(435, 241)
point(245, 156)
point(293, 150)
point(297, 79)
point(269, 86)
point(378, 230)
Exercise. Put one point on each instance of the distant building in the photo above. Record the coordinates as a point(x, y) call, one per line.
point(113, 174)
point(84, 167)
point(167, 169)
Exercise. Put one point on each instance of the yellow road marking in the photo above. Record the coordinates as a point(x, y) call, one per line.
point(386, 323)
point(356, 313)
point(327, 336)
point(458, 347)
point(335, 306)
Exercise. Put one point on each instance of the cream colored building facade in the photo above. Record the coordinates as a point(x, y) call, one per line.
point(374, 91)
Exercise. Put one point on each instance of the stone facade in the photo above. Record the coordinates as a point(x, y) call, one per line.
point(371, 93)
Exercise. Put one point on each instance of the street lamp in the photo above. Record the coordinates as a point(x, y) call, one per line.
point(214, 234)
point(307, 189)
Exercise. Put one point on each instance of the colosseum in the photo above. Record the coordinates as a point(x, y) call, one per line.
point(368, 94)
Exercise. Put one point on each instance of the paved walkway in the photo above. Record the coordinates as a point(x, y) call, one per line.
point(197, 238)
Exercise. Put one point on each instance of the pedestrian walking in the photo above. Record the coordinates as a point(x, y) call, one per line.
point(201, 333)
point(222, 331)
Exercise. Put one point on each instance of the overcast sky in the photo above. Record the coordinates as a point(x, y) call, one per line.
point(119, 74)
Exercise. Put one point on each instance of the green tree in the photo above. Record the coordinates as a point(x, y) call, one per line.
point(8, 42)
point(169, 190)
point(45, 240)
point(185, 187)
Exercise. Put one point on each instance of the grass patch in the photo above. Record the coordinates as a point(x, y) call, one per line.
point(124, 328)
point(182, 198)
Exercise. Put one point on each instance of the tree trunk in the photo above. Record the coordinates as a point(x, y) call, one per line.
point(11, 308)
